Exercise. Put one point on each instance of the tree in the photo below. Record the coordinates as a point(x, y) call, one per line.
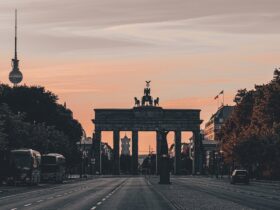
point(33, 110)
point(251, 135)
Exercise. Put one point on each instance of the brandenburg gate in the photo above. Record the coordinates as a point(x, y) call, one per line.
point(147, 115)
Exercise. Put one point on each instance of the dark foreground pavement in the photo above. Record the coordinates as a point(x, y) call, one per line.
point(135, 193)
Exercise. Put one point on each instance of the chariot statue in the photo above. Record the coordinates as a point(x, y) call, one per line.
point(147, 99)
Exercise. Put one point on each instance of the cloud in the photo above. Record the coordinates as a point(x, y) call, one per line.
point(70, 28)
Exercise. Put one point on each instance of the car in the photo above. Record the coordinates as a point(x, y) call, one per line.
point(239, 176)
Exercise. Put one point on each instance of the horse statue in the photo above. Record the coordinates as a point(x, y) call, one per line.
point(156, 102)
point(137, 102)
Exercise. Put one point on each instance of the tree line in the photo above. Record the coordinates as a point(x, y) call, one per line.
point(251, 136)
point(31, 117)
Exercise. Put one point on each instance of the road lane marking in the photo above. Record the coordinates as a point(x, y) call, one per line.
point(14, 209)
point(50, 198)
point(39, 201)
point(29, 204)
point(104, 199)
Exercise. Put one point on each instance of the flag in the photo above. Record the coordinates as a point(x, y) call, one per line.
point(222, 92)
point(216, 97)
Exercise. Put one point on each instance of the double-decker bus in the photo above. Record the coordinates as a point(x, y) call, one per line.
point(24, 167)
point(53, 167)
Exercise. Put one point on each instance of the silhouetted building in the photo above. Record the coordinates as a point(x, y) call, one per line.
point(185, 162)
point(106, 158)
point(85, 148)
point(125, 146)
point(214, 125)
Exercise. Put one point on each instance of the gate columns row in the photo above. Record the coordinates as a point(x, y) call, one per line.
point(197, 157)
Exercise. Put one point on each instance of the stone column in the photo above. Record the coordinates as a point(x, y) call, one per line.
point(116, 142)
point(197, 149)
point(177, 159)
point(97, 152)
point(134, 152)
point(158, 145)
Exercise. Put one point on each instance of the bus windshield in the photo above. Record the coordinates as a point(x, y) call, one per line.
point(22, 160)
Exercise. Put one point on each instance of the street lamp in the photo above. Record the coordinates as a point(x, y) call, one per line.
point(222, 162)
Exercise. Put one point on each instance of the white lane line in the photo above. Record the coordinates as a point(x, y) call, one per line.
point(58, 195)
point(14, 209)
point(94, 207)
point(99, 203)
point(29, 204)
point(39, 201)
point(104, 199)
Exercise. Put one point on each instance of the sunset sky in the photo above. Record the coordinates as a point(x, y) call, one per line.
point(98, 53)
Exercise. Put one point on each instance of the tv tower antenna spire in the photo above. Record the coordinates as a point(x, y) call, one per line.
point(15, 75)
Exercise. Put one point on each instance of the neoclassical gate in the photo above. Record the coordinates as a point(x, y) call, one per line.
point(147, 117)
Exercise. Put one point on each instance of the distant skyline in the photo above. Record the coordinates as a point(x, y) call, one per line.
point(98, 54)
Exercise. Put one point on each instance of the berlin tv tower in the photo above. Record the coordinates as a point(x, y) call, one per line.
point(15, 75)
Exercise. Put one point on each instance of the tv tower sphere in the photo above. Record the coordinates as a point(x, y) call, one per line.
point(15, 76)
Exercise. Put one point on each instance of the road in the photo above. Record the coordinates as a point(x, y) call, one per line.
point(144, 193)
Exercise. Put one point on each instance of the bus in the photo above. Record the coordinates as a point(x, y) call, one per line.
point(53, 168)
point(24, 167)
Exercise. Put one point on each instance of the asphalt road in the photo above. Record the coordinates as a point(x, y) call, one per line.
point(138, 192)
point(101, 193)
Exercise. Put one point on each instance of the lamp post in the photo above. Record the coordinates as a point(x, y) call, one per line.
point(216, 165)
point(222, 162)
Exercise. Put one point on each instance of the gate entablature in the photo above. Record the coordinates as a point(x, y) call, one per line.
point(147, 119)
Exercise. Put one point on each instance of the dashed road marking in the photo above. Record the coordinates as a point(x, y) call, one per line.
point(99, 203)
point(14, 209)
point(29, 204)
point(39, 201)
point(103, 199)
point(94, 207)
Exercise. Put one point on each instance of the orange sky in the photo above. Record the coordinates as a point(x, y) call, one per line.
point(98, 54)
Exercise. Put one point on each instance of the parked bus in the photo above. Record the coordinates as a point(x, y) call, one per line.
point(53, 167)
point(24, 167)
